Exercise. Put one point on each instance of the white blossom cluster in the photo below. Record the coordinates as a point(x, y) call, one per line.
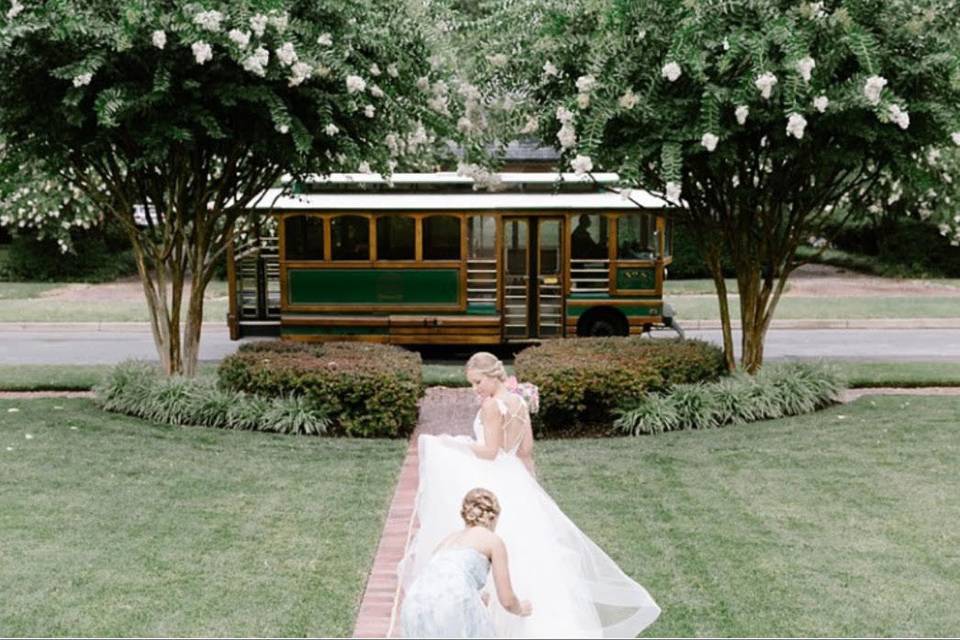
point(299, 73)
point(673, 191)
point(239, 38)
point(820, 103)
point(805, 68)
point(256, 63)
point(355, 84)
point(439, 100)
point(482, 177)
point(741, 113)
point(209, 20)
point(202, 51)
point(567, 134)
point(286, 54)
point(399, 145)
point(15, 9)
point(873, 87)
point(709, 141)
point(671, 71)
point(47, 209)
point(796, 124)
point(585, 84)
point(898, 116)
point(581, 164)
point(765, 83)
point(628, 100)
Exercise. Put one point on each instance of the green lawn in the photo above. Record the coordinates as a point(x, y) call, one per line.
point(23, 304)
point(840, 523)
point(937, 373)
point(697, 287)
point(116, 527)
point(25, 290)
point(797, 308)
point(44, 310)
point(62, 377)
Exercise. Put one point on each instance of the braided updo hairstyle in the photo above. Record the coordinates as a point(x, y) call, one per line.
point(487, 364)
point(480, 508)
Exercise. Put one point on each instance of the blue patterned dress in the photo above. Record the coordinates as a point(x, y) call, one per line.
point(444, 601)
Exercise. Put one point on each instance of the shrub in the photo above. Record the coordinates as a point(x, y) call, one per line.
point(778, 390)
point(370, 390)
point(582, 380)
point(99, 255)
point(139, 389)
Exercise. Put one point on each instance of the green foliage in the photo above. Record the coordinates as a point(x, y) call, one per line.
point(369, 390)
point(193, 111)
point(95, 256)
point(760, 118)
point(582, 380)
point(777, 391)
point(138, 389)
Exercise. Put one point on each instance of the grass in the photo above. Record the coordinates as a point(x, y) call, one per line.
point(45, 310)
point(697, 287)
point(113, 526)
point(839, 523)
point(449, 375)
point(809, 307)
point(899, 374)
point(23, 304)
point(26, 290)
point(66, 377)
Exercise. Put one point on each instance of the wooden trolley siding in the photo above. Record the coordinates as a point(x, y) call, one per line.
point(449, 322)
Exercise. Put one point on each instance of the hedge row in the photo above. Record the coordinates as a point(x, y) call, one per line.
point(779, 390)
point(139, 389)
point(368, 390)
point(583, 380)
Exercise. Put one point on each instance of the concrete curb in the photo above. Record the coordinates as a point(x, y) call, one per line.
point(107, 327)
point(688, 325)
point(837, 323)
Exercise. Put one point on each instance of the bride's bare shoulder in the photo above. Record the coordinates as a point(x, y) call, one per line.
point(490, 412)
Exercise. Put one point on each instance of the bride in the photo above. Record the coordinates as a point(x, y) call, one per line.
point(575, 589)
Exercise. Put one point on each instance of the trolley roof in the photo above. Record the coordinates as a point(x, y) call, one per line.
point(450, 191)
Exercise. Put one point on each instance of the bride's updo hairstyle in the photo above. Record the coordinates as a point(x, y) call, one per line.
point(488, 365)
point(480, 508)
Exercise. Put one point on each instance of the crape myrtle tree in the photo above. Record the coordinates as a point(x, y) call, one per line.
point(189, 112)
point(759, 117)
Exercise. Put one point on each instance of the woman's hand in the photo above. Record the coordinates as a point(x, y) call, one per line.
point(485, 598)
point(524, 609)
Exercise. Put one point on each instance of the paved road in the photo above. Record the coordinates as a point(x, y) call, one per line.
point(107, 347)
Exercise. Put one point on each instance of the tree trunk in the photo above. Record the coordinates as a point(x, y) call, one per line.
point(164, 317)
point(193, 326)
point(715, 265)
point(753, 301)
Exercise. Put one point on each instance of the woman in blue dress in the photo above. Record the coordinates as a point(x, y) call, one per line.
point(445, 600)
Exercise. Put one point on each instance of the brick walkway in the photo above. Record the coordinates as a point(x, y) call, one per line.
point(442, 410)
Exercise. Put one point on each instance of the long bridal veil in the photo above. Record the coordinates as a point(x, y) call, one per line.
point(575, 588)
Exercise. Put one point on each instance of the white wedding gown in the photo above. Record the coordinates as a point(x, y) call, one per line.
point(576, 589)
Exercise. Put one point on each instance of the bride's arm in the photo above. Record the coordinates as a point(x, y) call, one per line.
point(492, 421)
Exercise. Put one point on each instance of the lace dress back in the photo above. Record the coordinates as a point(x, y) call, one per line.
point(519, 416)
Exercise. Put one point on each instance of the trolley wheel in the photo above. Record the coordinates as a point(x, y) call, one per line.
point(602, 322)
